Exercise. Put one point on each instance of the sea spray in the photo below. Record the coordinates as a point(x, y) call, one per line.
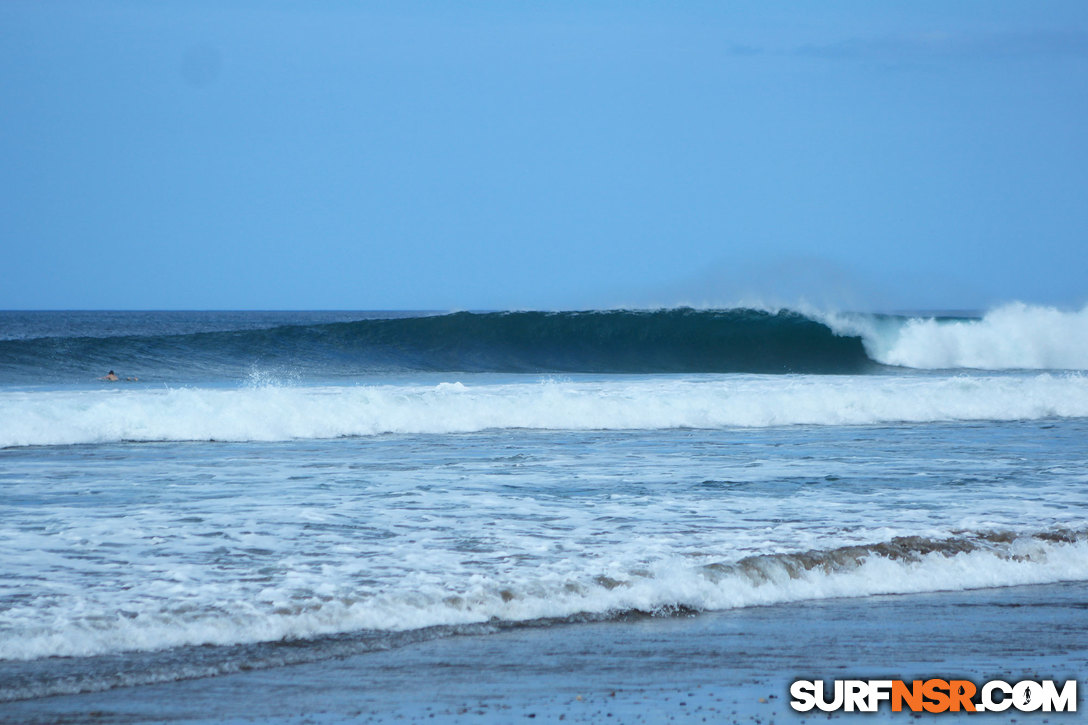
point(1011, 337)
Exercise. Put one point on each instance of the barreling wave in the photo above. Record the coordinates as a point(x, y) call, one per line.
point(318, 627)
point(663, 341)
point(681, 340)
point(279, 413)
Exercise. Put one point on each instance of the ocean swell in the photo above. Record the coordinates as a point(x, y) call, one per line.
point(618, 341)
point(1015, 336)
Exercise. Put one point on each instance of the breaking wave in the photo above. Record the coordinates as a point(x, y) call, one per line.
point(323, 626)
point(1012, 337)
point(275, 413)
point(1015, 336)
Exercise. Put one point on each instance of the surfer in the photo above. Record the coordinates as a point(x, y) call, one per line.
point(112, 377)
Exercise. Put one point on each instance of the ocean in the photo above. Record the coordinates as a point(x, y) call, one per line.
point(263, 489)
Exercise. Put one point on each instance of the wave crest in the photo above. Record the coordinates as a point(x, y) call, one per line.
point(1015, 336)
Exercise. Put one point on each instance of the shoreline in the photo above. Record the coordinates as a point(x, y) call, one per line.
point(728, 666)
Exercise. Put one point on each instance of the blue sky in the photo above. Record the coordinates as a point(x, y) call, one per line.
point(542, 155)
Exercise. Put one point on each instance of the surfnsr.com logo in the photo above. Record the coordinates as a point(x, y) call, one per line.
point(934, 696)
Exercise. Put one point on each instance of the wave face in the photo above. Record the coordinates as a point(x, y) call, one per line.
point(280, 413)
point(1012, 337)
point(664, 341)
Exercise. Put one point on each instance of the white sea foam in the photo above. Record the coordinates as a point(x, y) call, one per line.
point(273, 413)
point(1011, 337)
point(283, 613)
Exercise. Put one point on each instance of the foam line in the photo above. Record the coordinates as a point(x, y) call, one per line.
point(533, 594)
point(273, 413)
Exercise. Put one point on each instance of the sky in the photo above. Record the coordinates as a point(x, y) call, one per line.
point(542, 155)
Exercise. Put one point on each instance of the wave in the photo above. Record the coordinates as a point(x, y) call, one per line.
point(679, 340)
point(277, 413)
point(1011, 337)
point(338, 625)
point(1014, 336)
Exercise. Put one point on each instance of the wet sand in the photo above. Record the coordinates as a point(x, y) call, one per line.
point(721, 667)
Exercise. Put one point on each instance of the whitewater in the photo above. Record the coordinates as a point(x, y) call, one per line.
point(273, 412)
point(1015, 336)
point(286, 487)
